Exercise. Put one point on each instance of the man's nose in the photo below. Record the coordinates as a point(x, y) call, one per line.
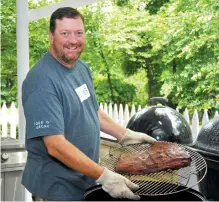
point(73, 37)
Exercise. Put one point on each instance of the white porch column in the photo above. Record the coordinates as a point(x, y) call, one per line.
point(22, 57)
point(22, 65)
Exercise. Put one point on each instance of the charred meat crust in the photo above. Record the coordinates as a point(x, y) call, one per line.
point(159, 157)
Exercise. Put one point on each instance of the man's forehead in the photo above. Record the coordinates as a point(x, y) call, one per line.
point(76, 18)
point(70, 23)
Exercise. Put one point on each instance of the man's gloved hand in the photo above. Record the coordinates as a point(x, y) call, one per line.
point(117, 186)
point(132, 137)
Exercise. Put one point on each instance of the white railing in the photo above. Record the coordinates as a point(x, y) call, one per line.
point(121, 114)
point(9, 120)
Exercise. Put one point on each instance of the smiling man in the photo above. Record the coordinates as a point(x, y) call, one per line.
point(63, 121)
point(67, 40)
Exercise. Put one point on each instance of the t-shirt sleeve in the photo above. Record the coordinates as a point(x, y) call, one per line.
point(44, 114)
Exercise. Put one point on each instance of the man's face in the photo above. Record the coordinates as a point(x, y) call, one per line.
point(68, 40)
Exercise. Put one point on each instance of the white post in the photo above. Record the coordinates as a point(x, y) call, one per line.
point(133, 111)
point(115, 113)
point(13, 120)
point(216, 114)
point(22, 58)
point(110, 110)
point(205, 118)
point(22, 64)
point(105, 108)
point(139, 107)
point(126, 118)
point(186, 115)
point(195, 125)
point(4, 120)
point(121, 117)
point(36, 14)
point(101, 106)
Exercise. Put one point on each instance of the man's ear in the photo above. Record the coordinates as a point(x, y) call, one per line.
point(51, 37)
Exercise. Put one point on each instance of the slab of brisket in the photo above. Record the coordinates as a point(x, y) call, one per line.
point(159, 157)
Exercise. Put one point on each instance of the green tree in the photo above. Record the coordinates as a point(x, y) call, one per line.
point(193, 44)
point(8, 51)
point(143, 48)
point(105, 61)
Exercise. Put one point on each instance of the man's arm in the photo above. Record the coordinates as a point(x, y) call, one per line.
point(109, 126)
point(124, 136)
point(113, 183)
point(60, 148)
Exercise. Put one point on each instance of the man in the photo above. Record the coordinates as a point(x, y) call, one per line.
point(63, 121)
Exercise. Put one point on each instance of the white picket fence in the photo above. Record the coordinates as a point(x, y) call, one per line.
point(121, 114)
point(9, 120)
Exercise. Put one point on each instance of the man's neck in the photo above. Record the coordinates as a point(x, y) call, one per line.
point(61, 62)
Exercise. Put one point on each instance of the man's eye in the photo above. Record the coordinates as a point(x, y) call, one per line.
point(79, 33)
point(64, 33)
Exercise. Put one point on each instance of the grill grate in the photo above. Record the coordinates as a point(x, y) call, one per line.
point(164, 182)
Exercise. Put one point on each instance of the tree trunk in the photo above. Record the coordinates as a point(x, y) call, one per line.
point(108, 75)
point(150, 78)
point(98, 44)
point(174, 66)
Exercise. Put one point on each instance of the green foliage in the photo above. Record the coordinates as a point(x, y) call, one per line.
point(123, 91)
point(140, 81)
point(193, 46)
point(182, 39)
point(8, 51)
point(101, 55)
point(154, 6)
point(38, 39)
point(144, 48)
point(121, 2)
point(38, 44)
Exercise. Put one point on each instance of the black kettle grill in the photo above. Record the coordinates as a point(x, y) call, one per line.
point(207, 144)
point(162, 123)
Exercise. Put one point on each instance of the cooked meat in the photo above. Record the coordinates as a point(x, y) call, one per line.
point(160, 156)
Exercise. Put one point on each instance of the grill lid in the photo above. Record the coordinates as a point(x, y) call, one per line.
point(164, 182)
point(208, 137)
point(162, 123)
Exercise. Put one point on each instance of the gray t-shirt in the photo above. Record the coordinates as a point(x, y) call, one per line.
point(59, 100)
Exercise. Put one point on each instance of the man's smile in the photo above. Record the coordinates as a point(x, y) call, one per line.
point(72, 48)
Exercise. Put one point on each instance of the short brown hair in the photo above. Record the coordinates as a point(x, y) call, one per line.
point(67, 12)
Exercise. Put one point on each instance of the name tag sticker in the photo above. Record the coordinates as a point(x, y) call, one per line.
point(82, 92)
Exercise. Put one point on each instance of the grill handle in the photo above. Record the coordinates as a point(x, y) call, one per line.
point(161, 100)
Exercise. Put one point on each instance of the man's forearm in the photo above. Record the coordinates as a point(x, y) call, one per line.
point(109, 126)
point(68, 154)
